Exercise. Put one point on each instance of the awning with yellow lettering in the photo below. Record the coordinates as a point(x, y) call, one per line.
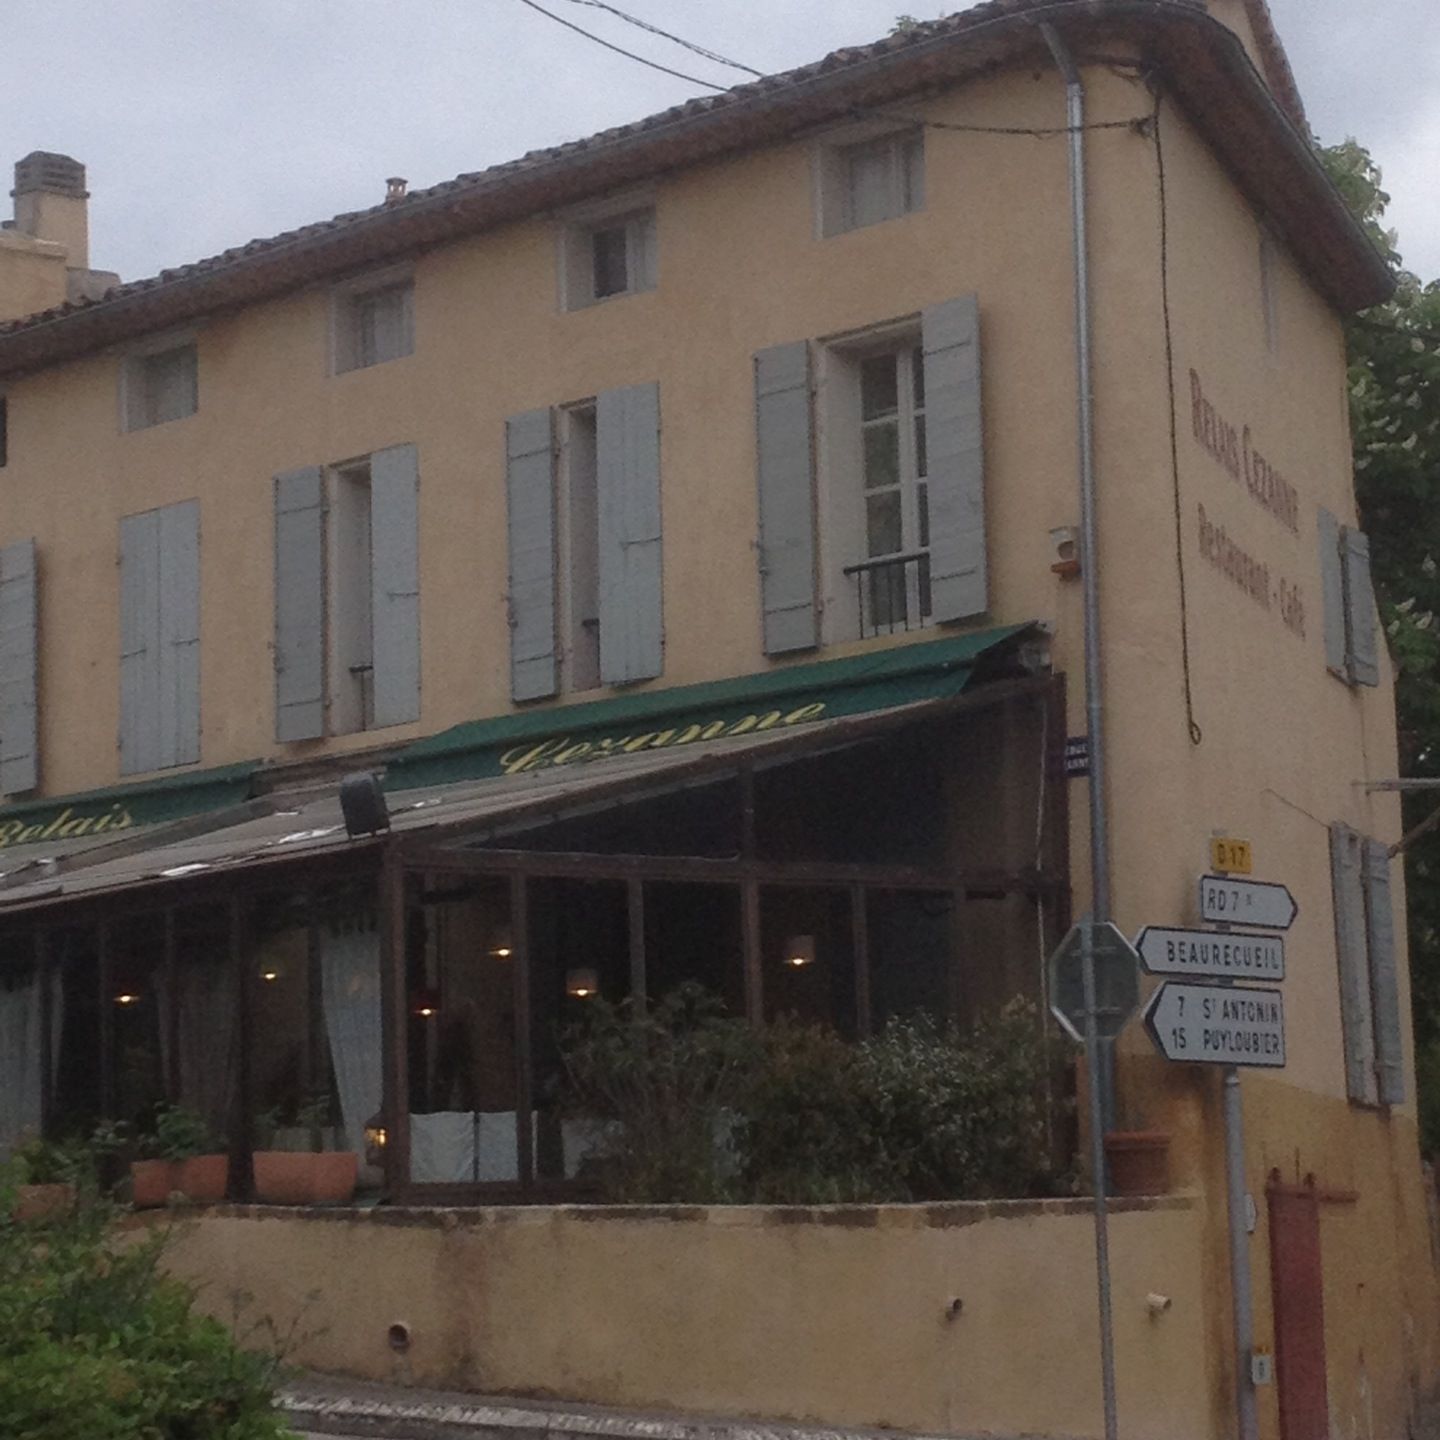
point(786, 698)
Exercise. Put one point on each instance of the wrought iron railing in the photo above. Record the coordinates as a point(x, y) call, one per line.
point(891, 593)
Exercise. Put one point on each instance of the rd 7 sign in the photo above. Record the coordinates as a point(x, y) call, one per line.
point(1225, 901)
point(1217, 1024)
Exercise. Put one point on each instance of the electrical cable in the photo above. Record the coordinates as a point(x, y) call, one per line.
point(620, 49)
point(666, 35)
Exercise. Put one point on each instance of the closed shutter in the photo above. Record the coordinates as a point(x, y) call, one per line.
point(627, 425)
point(959, 584)
point(299, 604)
point(530, 527)
point(139, 642)
point(1384, 980)
point(178, 684)
point(395, 583)
point(1364, 654)
point(1356, 1016)
point(785, 466)
point(19, 739)
point(1332, 594)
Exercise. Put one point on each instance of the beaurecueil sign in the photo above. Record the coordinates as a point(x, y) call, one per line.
point(1211, 955)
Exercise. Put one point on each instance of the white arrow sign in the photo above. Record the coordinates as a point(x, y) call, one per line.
point(1206, 955)
point(1218, 1024)
point(1227, 901)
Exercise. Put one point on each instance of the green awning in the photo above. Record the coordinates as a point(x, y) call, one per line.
point(777, 700)
point(124, 807)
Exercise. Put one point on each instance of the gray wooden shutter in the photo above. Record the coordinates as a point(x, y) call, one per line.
point(139, 642)
point(177, 688)
point(395, 584)
point(627, 426)
point(785, 467)
point(1356, 1016)
point(959, 581)
point(1384, 980)
point(19, 710)
point(1332, 594)
point(299, 604)
point(530, 526)
point(1364, 656)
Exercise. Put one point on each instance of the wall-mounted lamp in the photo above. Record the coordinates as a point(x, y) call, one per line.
point(425, 1003)
point(582, 984)
point(800, 950)
point(502, 942)
point(1065, 551)
point(127, 997)
point(270, 975)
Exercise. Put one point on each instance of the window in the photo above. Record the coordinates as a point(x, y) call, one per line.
point(1351, 640)
point(159, 387)
point(347, 596)
point(605, 256)
point(1365, 950)
point(373, 323)
point(875, 178)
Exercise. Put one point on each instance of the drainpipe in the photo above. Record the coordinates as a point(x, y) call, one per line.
point(1098, 1054)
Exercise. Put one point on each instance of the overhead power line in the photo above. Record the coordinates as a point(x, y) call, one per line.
point(666, 35)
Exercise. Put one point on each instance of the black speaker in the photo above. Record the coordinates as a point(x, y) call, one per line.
point(362, 803)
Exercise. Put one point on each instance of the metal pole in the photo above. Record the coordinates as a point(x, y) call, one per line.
point(1239, 1255)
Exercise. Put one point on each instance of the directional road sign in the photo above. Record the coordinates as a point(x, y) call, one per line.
point(1208, 955)
point(1227, 901)
point(1117, 980)
point(1218, 1024)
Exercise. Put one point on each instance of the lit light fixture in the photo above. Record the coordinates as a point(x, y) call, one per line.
point(127, 997)
point(269, 976)
point(374, 1137)
point(425, 1003)
point(502, 944)
point(582, 984)
point(800, 950)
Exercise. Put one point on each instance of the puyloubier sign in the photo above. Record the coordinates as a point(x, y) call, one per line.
point(1218, 1025)
point(1226, 901)
point(1211, 955)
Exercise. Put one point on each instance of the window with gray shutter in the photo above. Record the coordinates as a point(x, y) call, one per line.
point(530, 527)
point(1332, 593)
point(300, 604)
point(627, 424)
point(395, 584)
point(19, 713)
point(950, 336)
point(1384, 977)
point(785, 469)
point(1356, 1015)
point(160, 638)
point(1351, 639)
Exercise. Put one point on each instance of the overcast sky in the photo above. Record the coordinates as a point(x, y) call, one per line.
point(206, 123)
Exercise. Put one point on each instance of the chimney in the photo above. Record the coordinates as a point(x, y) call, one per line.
point(50, 204)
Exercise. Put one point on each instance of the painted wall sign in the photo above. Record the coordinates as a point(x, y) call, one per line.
point(1230, 857)
point(1218, 1024)
point(1211, 955)
point(1270, 592)
point(1234, 449)
point(68, 824)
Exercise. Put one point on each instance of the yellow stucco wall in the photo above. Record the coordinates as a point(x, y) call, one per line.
point(837, 1316)
point(32, 275)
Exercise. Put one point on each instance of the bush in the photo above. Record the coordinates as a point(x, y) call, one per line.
point(97, 1344)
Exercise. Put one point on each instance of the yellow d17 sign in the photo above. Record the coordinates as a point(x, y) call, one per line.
point(1230, 857)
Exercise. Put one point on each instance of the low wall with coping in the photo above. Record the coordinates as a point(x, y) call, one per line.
point(962, 1317)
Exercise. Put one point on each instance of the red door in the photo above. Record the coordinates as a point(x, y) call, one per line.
point(1299, 1294)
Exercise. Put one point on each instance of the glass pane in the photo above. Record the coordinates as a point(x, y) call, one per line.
point(872, 183)
point(608, 248)
point(883, 533)
point(806, 940)
point(923, 565)
point(879, 390)
point(912, 160)
point(75, 1032)
point(888, 607)
point(917, 374)
point(922, 459)
point(140, 1009)
point(21, 1019)
point(882, 454)
point(910, 950)
point(922, 509)
point(692, 933)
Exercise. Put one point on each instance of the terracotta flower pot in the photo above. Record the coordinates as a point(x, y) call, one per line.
point(202, 1178)
point(150, 1183)
point(35, 1202)
point(292, 1177)
point(1139, 1162)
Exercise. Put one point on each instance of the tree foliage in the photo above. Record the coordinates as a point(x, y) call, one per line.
point(1395, 419)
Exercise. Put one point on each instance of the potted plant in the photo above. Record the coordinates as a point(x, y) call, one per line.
point(181, 1158)
point(297, 1169)
point(43, 1173)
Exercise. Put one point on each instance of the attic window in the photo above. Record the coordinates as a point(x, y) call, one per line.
point(160, 386)
point(607, 256)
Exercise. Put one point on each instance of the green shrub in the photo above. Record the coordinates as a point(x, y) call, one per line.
point(96, 1343)
point(179, 1134)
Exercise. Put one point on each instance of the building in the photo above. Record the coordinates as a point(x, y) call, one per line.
point(683, 522)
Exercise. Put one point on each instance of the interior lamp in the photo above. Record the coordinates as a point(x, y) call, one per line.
point(127, 997)
point(800, 950)
point(425, 1003)
point(582, 984)
point(502, 944)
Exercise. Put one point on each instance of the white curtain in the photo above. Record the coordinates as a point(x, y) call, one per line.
point(208, 1037)
point(350, 970)
point(19, 1061)
point(463, 1146)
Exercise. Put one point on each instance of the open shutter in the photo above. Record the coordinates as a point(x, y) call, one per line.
point(1356, 1017)
point(1384, 980)
point(395, 584)
point(1364, 654)
point(785, 466)
point(530, 526)
point(627, 425)
point(177, 690)
point(299, 604)
point(139, 642)
point(950, 335)
point(1332, 593)
point(19, 740)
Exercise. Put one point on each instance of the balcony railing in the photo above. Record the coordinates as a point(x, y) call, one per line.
point(891, 593)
